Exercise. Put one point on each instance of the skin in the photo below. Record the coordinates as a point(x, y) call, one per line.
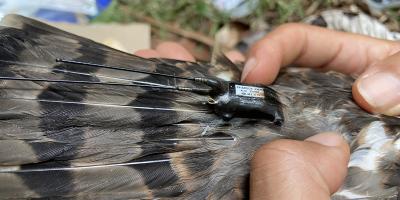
point(320, 48)
point(314, 168)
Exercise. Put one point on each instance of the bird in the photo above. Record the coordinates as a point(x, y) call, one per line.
point(80, 120)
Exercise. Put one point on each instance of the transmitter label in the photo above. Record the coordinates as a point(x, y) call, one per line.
point(249, 91)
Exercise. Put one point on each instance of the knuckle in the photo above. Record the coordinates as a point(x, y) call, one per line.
point(289, 30)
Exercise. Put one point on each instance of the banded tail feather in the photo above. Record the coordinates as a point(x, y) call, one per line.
point(112, 140)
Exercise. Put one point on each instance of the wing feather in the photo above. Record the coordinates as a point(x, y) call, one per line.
point(97, 141)
point(61, 139)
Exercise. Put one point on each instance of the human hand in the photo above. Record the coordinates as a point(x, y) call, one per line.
point(285, 169)
point(173, 50)
point(376, 62)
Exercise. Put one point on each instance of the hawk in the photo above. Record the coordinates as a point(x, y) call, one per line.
point(81, 120)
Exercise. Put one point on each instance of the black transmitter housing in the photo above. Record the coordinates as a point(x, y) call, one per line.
point(231, 99)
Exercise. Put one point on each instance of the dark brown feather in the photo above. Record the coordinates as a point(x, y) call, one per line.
point(116, 142)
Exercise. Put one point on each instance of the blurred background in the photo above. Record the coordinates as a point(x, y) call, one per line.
point(199, 25)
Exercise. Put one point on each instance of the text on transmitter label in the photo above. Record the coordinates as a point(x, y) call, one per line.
point(249, 91)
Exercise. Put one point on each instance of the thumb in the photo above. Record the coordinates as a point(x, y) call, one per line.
point(378, 88)
point(310, 169)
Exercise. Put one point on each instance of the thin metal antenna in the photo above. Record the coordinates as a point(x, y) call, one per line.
point(44, 67)
point(133, 83)
point(213, 83)
point(179, 88)
point(123, 69)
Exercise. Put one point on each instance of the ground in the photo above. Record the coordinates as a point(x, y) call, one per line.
point(194, 23)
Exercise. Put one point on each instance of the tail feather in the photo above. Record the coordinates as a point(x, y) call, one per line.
point(108, 141)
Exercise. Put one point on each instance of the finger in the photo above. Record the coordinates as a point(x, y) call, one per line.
point(378, 89)
point(288, 169)
point(147, 53)
point(173, 50)
point(314, 47)
point(235, 56)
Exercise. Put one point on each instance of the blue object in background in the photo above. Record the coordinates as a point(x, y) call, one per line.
point(379, 5)
point(54, 10)
point(67, 16)
point(56, 15)
point(102, 4)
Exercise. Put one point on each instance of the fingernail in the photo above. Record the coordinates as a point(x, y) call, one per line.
point(382, 91)
point(327, 139)
point(248, 67)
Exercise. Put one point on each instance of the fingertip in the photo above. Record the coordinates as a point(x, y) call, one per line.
point(263, 64)
point(379, 91)
point(332, 139)
point(332, 157)
point(147, 53)
point(315, 167)
point(249, 66)
point(174, 50)
point(329, 139)
point(259, 71)
point(359, 99)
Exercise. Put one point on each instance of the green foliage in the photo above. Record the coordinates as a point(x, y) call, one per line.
point(201, 16)
point(196, 15)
